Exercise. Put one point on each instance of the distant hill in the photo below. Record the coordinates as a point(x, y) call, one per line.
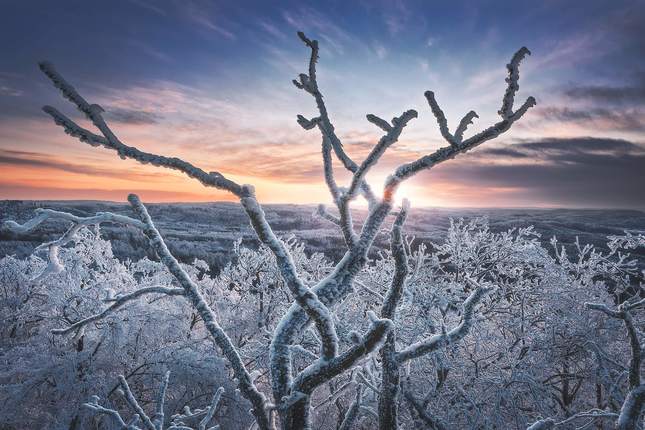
point(207, 230)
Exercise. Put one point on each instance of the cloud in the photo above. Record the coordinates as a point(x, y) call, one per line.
point(37, 160)
point(131, 116)
point(19, 192)
point(273, 30)
point(332, 37)
point(578, 172)
point(380, 51)
point(150, 51)
point(553, 149)
point(201, 16)
point(151, 7)
point(632, 120)
point(6, 90)
point(396, 16)
point(611, 94)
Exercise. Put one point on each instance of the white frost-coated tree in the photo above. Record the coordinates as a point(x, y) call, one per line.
point(378, 355)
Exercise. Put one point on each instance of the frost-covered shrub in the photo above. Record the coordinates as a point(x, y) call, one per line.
point(535, 351)
point(45, 378)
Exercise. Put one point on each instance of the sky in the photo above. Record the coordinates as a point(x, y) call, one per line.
point(210, 82)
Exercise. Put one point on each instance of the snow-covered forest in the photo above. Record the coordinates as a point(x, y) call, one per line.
point(478, 330)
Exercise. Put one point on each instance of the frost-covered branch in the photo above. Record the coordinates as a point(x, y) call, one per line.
point(109, 140)
point(401, 268)
point(211, 409)
point(591, 415)
point(352, 413)
point(246, 193)
point(93, 405)
point(345, 198)
point(245, 383)
point(134, 404)
point(626, 241)
point(322, 370)
point(309, 83)
point(513, 82)
point(119, 302)
point(177, 421)
point(422, 412)
point(390, 375)
point(307, 299)
point(54, 264)
point(160, 413)
point(322, 212)
point(433, 343)
point(623, 313)
point(457, 144)
point(292, 387)
point(630, 413)
point(393, 133)
point(633, 405)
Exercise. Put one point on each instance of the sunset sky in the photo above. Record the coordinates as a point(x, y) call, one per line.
point(210, 82)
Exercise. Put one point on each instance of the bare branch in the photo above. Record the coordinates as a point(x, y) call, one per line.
point(353, 411)
point(463, 125)
point(309, 83)
point(54, 264)
point(457, 144)
point(433, 343)
point(119, 302)
point(132, 401)
point(93, 405)
point(110, 141)
point(398, 123)
point(161, 400)
point(245, 383)
point(303, 295)
point(323, 370)
point(513, 82)
point(211, 409)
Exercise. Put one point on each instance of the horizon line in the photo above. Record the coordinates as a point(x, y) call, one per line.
point(359, 207)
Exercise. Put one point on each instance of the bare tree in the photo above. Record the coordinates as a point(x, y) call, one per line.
point(292, 387)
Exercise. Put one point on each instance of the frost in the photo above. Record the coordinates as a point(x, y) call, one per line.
point(483, 330)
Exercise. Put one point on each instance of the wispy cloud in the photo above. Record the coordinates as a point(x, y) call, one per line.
point(333, 38)
point(593, 118)
point(149, 6)
point(150, 51)
point(202, 16)
point(6, 90)
point(46, 161)
point(380, 51)
point(272, 30)
point(131, 116)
